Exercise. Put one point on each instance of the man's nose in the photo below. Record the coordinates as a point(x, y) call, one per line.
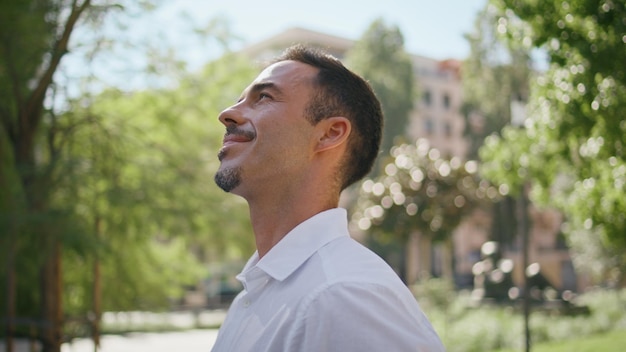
point(232, 115)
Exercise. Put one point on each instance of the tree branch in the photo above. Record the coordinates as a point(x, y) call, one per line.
point(32, 112)
point(7, 118)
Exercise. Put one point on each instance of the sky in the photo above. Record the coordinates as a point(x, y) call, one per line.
point(432, 28)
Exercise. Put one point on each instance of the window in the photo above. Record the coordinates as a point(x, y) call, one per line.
point(447, 129)
point(429, 126)
point(446, 101)
point(426, 97)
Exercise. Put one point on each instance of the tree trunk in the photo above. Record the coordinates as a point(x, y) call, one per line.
point(412, 258)
point(10, 293)
point(447, 258)
point(11, 207)
point(97, 299)
point(52, 299)
point(418, 257)
point(97, 293)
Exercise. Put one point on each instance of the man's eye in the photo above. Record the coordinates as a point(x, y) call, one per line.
point(264, 95)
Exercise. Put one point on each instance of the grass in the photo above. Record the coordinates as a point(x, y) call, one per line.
point(610, 342)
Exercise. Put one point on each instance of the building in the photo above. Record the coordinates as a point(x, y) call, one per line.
point(437, 117)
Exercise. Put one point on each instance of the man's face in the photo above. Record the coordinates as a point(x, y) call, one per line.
point(268, 140)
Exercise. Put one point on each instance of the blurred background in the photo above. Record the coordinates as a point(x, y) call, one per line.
point(499, 196)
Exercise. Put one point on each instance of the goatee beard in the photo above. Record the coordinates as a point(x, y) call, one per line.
point(228, 179)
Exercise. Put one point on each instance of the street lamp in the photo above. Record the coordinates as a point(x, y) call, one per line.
point(518, 118)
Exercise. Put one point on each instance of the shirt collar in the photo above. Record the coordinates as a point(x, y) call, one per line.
point(299, 244)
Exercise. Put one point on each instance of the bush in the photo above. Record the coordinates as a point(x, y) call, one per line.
point(464, 327)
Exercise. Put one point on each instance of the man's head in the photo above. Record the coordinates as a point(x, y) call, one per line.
point(340, 92)
point(275, 126)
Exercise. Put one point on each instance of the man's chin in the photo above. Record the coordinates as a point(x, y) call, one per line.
point(228, 178)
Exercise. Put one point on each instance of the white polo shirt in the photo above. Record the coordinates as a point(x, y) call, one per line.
point(320, 290)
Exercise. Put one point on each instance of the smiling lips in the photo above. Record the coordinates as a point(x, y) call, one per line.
point(234, 135)
point(233, 138)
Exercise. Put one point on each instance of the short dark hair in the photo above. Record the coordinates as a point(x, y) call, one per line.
point(342, 92)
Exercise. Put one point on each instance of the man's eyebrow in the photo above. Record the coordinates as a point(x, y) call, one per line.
point(257, 87)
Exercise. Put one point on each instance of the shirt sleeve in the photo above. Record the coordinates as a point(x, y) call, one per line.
point(361, 317)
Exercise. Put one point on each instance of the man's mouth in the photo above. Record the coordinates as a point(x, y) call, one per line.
point(237, 135)
point(233, 136)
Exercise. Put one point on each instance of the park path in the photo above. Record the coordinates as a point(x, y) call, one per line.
point(187, 339)
point(200, 340)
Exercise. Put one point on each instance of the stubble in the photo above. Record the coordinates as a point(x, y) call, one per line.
point(228, 179)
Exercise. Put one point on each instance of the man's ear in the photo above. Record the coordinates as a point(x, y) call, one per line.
point(332, 132)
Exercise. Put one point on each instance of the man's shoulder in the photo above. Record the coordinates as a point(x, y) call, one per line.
point(346, 260)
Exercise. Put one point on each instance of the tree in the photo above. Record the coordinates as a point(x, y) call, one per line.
point(572, 147)
point(139, 173)
point(34, 38)
point(420, 192)
point(496, 75)
point(379, 56)
point(103, 179)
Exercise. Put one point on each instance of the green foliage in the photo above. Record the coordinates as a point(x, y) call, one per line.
point(484, 329)
point(117, 181)
point(27, 32)
point(126, 183)
point(138, 169)
point(608, 305)
point(34, 36)
point(511, 165)
point(435, 293)
point(420, 191)
point(608, 342)
point(602, 262)
point(494, 75)
point(465, 327)
point(379, 56)
point(572, 147)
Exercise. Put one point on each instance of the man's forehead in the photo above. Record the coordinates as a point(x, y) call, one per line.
point(288, 70)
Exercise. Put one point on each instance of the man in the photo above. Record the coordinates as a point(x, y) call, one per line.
point(304, 130)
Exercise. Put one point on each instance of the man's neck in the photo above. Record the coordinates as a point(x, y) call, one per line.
point(271, 221)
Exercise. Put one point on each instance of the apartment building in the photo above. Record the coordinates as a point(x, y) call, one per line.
point(437, 114)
